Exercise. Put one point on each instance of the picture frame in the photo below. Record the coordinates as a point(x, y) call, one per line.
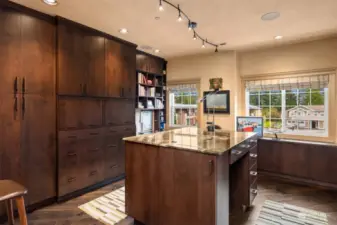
point(250, 124)
point(217, 102)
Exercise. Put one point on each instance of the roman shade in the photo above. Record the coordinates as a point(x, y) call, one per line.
point(176, 88)
point(301, 82)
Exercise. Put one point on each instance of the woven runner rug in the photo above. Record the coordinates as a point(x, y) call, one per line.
point(108, 209)
point(275, 213)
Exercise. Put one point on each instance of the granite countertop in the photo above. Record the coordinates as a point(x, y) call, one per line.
point(194, 139)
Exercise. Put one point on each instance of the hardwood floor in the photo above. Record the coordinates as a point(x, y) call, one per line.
point(269, 189)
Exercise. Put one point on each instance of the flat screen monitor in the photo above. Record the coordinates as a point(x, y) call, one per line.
point(250, 124)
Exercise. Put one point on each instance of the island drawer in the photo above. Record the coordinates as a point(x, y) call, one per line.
point(252, 159)
point(252, 177)
point(236, 154)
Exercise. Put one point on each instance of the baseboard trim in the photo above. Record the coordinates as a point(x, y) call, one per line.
point(300, 180)
point(85, 190)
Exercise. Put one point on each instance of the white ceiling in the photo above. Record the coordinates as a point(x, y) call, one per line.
point(236, 22)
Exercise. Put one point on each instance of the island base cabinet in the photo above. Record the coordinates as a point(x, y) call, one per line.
point(173, 187)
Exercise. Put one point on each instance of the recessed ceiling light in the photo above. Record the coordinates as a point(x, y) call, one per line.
point(157, 18)
point(50, 2)
point(270, 16)
point(156, 50)
point(123, 31)
point(278, 37)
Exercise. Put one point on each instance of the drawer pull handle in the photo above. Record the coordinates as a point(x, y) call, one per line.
point(253, 173)
point(91, 125)
point(127, 129)
point(94, 133)
point(72, 136)
point(71, 179)
point(72, 154)
point(236, 152)
point(113, 166)
point(210, 167)
point(253, 155)
point(92, 173)
point(252, 141)
point(94, 150)
point(254, 191)
point(128, 122)
point(112, 146)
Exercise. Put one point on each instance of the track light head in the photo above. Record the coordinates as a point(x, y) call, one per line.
point(194, 36)
point(203, 44)
point(192, 25)
point(161, 8)
point(216, 49)
point(179, 15)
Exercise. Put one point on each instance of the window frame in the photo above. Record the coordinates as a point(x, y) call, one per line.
point(331, 107)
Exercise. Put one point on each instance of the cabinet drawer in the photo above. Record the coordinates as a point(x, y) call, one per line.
point(93, 175)
point(252, 159)
point(236, 154)
point(253, 194)
point(252, 177)
point(70, 181)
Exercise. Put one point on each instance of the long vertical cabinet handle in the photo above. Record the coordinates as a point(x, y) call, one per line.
point(15, 87)
point(210, 167)
point(23, 98)
point(15, 106)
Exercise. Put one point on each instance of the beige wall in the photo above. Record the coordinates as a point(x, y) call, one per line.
point(204, 67)
point(297, 57)
point(233, 67)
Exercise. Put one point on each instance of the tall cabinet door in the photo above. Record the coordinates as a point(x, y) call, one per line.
point(95, 84)
point(71, 59)
point(10, 64)
point(11, 153)
point(129, 75)
point(114, 65)
point(38, 56)
point(38, 137)
point(10, 50)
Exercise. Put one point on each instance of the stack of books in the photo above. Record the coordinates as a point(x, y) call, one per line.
point(142, 78)
point(159, 104)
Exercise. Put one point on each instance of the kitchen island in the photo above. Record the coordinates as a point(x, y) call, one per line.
point(189, 176)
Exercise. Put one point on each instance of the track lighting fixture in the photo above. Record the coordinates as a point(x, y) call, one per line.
point(179, 16)
point(161, 8)
point(191, 25)
point(203, 44)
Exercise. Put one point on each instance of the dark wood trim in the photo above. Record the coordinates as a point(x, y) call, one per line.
point(89, 189)
point(29, 11)
point(299, 180)
point(101, 33)
point(148, 54)
point(95, 97)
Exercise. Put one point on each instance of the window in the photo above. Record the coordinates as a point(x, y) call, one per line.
point(183, 103)
point(298, 108)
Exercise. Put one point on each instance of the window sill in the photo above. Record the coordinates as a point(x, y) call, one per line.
point(300, 137)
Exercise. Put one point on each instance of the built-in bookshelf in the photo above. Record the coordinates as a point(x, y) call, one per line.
point(151, 91)
point(151, 96)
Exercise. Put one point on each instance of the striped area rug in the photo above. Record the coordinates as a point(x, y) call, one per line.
point(275, 213)
point(109, 209)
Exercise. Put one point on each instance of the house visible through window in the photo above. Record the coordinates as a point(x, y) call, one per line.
point(296, 106)
point(183, 104)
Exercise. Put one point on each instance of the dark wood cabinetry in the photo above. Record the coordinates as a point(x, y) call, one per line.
point(81, 60)
point(96, 106)
point(120, 69)
point(92, 75)
point(27, 101)
point(301, 161)
point(150, 64)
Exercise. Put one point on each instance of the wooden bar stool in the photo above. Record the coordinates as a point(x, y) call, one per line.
point(10, 190)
